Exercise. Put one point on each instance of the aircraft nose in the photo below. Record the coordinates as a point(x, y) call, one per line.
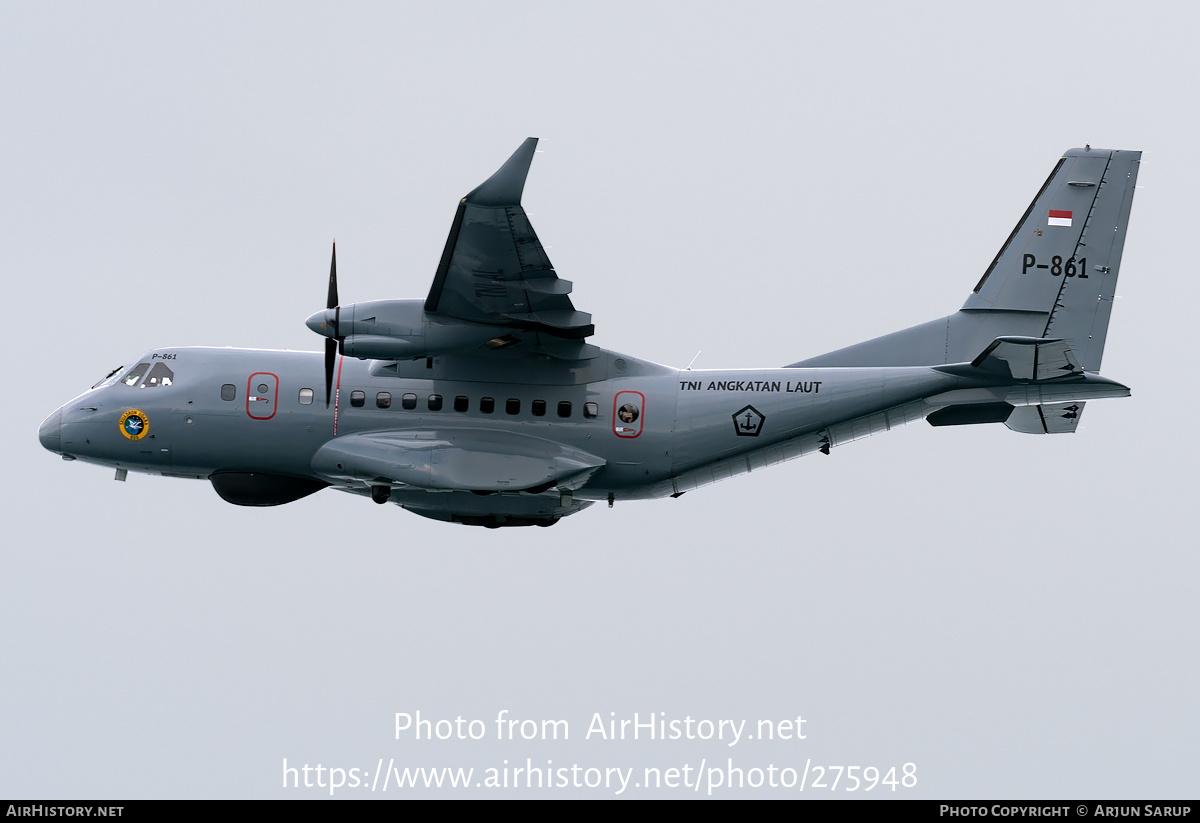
point(50, 432)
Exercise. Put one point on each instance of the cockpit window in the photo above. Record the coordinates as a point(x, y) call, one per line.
point(159, 376)
point(142, 376)
point(106, 378)
point(134, 375)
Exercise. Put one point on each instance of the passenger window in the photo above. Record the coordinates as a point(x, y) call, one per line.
point(461, 403)
point(135, 374)
point(306, 396)
point(435, 402)
point(487, 405)
point(512, 406)
point(228, 391)
point(358, 399)
point(564, 408)
point(538, 407)
point(383, 400)
point(590, 410)
point(408, 401)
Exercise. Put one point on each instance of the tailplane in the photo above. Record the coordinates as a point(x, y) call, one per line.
point(1051, 387)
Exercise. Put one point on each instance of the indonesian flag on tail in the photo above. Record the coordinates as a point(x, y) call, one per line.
point(1060, 218)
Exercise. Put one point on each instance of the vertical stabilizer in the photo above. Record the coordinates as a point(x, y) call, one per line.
point(1061, 260)
point(1054, 277)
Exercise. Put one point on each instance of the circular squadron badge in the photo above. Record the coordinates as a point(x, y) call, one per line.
point(134, 424)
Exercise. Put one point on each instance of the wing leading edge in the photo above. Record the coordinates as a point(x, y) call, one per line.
point(494, 269)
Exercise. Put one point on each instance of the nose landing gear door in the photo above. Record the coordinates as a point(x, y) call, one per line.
point(262, 392)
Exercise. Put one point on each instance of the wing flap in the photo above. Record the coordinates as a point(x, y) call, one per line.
point(562, 320)
point(551, 284)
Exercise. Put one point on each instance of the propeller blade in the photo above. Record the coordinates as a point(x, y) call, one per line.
point(330, 356)
point(331, 343)
point(332, 299)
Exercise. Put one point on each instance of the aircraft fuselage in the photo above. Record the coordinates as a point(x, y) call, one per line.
point(248, 410)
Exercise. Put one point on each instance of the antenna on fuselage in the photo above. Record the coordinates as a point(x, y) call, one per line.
point(689, 365)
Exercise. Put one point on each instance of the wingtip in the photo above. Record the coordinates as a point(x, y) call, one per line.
point(504, 188)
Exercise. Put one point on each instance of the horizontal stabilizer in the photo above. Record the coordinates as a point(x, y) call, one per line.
point(1049, 418)
point(1056, 418)
point(1029, 358)
point(1082, 387)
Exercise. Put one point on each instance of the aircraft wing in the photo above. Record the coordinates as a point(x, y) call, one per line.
point(494, 270)
point(480, 460)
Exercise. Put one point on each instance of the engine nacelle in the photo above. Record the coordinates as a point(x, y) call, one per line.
point(401, 330)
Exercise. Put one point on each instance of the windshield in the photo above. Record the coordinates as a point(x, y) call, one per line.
point(108, 378)
point(141, 376)
point(113, 376)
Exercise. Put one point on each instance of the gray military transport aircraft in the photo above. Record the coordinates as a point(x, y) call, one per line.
point(484, 404)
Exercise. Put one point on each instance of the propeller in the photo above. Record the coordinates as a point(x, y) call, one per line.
point(335, 341)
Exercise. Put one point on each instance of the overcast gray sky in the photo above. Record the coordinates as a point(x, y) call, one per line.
point(764, 182)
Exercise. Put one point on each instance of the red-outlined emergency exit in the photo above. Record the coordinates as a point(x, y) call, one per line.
point(629, 408)
point(262, 391)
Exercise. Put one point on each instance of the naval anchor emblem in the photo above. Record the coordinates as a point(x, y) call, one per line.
point(748, 421)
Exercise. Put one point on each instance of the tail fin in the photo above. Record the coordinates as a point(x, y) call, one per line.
point(1055, 276)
